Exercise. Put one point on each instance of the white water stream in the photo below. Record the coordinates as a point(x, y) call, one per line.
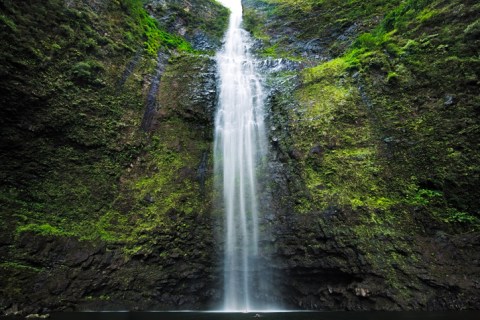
point(239, 147)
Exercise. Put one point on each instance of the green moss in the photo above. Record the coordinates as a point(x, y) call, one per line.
point(382, 139)
point(427, 14)
point(331, 69)
point(341, 167)
point(8, 22)
point(155, 36)
point(87, 71)
point(372, 53)
point(392, 76)
point(253, 22)
point(205, 17)
point(403, 14)
point(473, 29)
point(43, 229)
point(423, 196)
point(9, 265)
point(303, 6)
point(162, 194)
point(271, 51)
point(452, 215)
point(69, 165)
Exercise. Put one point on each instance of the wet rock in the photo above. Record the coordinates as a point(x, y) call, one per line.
point(316, 150)
point(276, 65)
point(12, 310)
point(201, 41)
point(129, 68)
point(149, 198)
point(362, 292)
point(449, 100)
point(151, 106)
point(202, 171)
point(194, 90)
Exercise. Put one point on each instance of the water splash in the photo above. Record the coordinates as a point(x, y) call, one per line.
point(239, 146)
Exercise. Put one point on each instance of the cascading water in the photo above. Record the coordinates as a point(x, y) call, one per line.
point(239, 148)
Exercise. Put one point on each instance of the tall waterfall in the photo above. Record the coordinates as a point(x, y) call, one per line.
point(239, 148)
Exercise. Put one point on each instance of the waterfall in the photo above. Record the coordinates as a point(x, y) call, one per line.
point(239, 148)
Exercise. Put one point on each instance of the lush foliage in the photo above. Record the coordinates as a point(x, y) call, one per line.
point(379, 125)
point(383, 133)
point(72, 103)
point(149, 26)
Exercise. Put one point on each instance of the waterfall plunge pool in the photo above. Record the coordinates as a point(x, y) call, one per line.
point(267, 315)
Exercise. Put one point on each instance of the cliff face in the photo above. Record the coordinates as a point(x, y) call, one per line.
point(106, 125)
point(375, 139)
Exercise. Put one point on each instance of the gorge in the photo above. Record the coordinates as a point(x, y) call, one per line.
point(113, 150)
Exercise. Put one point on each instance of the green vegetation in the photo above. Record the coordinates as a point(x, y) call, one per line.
point(9, 266)
point(253, 21)
point(382, 136)
point(149, 26)
point(74, 162)
point(333, 134)
point(83, 187)
point(390, 136)
point(44, 229)
point(200, 19)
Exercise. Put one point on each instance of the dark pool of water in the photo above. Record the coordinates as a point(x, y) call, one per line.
point(463, 315)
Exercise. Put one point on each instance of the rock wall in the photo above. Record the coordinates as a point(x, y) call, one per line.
point(374, 162)
point(106, 127)
point(371, 199)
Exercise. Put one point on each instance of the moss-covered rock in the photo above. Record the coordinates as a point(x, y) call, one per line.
point(201, 22)
point(379, 162)
point(97, 207)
